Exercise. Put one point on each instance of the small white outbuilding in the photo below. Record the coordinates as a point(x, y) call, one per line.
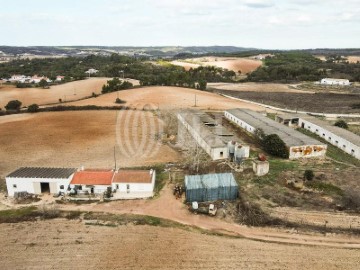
point(332, 81)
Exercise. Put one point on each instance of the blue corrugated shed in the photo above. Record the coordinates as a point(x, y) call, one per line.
point(211, 187)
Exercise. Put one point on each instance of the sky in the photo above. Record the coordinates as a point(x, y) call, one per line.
point(267, 24)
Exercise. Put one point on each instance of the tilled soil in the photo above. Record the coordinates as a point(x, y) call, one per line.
point(62, 244)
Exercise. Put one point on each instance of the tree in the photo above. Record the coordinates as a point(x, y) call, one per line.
point(202, 85)
point(13, 105)
point(33, 108)
point(309, 175)
point(275, 146)
point(43, 83)
point(341, 124)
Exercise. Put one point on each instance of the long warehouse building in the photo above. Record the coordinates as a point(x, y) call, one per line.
point(218, 142)
point(345, 140)
point(299, 145)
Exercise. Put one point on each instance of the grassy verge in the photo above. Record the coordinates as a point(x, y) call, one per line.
point(326, 188)
point(33, 213)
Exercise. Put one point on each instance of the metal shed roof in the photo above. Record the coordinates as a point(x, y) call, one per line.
point(38, 172)
point(210, 181)
point(208, 129)
point(290, 136)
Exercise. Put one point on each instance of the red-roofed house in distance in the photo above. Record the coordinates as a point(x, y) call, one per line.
point(133, 184)
point(91, 181)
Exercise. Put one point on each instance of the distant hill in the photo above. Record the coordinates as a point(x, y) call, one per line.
point(159, 51)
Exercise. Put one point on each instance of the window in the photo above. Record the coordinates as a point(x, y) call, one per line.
point(62, 187)
point(324, 134)
point(330, 138)
point(336, 141)
point(117, 186)
point(221, 154)
point(317, 130)
point(14, 186)
point(344, 146)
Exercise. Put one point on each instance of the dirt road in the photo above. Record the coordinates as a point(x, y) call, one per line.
point(167, 207)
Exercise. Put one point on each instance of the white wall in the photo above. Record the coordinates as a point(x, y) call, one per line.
point(27, 184)
point(136, 188)
point(98, 189)
point(335, 82)
point(240, 122)
point(335, 140)
point(308, 151)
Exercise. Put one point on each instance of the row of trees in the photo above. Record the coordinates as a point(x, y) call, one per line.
point(301, 66)
point(115, 85)
point(148, 73)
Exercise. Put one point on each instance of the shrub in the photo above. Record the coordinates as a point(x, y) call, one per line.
point(33, 108)
point(309, 175)
point(275, 146)
point(341, 124)
point(13, 105)
point(119, 101)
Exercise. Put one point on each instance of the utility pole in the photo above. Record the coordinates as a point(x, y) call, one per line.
point(115, 156)
point(195, 100)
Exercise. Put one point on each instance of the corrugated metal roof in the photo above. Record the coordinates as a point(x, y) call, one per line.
point(210, 181)
point(207, 128)
point(343, 133)
point(38, 172)
point(290, 136)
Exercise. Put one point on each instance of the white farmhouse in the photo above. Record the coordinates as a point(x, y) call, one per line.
point(132, 184)
point(92, 181)
point(39, 180)
point(331, 81)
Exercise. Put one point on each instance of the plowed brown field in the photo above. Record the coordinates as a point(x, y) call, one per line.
point(73, 139)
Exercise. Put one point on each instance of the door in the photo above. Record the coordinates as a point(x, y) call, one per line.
point(127, 188)
point(37, 188)
point(53, 188)
point(45, 187)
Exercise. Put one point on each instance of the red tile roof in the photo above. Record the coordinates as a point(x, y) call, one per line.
point(132, 176)
point(92, 177)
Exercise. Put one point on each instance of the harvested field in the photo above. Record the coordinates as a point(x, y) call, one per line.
point(62, 244)
point(353, 59)
point(319, 102)
point(167, 98)
point(68, 91)
point(256, 87)
point(245, 65)
point(73, 139)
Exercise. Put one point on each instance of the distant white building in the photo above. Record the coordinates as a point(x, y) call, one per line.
point(59, 78)
point(331, 81)
point(91, 71)
point(37, 79)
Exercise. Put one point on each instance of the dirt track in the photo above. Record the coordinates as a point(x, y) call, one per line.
point(73, 139)
point(167, 207)
point(256, 87)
